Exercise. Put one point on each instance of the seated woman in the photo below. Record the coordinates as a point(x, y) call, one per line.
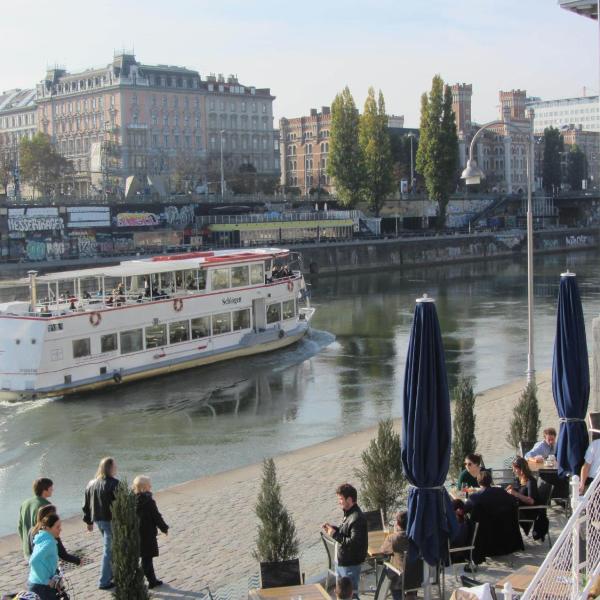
point(526, 494)
point(397, 544)
point(468, 477)
point(462, 537)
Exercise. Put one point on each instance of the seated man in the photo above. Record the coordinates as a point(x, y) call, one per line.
point(497, 515)
point(591, 466)
point(542, 450)
point(397, 544)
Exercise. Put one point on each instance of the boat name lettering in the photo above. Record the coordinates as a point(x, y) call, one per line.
point(230, 300)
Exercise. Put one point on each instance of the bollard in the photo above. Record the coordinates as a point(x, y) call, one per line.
point(507, 591)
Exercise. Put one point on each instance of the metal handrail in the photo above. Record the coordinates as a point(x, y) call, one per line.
point(564, 570)
point(331, 215)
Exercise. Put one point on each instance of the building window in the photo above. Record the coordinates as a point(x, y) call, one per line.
point(221, 323)
point(81, 348)
point(200, 327)
point(132, 341)
point(108, 343)
point(156, 336)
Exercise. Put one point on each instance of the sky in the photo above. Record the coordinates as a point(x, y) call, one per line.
point(307, 51)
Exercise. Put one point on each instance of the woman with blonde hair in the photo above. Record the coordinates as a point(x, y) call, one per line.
point(99, 496)
point(150, 521)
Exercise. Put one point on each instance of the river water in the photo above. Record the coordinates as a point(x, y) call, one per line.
point(346, 376)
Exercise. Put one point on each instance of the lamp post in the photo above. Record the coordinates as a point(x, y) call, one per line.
point(472, 176)
point(412, 171)
point(222, 174)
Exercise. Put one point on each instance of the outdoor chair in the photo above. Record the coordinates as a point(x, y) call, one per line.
point(411, 574)
point(331, 550)
point(456, 556)
point(525, 447)
point(280, 574)
point(528, 514)
point(503, 477)
point(594, 428)
point(374, 520)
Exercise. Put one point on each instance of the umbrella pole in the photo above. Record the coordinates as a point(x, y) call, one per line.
point(426, 581)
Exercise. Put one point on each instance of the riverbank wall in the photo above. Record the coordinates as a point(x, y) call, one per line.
point(366, 255)
point(355, 256)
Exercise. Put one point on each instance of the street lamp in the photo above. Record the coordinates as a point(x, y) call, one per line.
point(222, 174)
point(473, 175)
point(412, 171)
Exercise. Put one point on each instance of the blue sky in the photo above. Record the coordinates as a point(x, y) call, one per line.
point(307, 51)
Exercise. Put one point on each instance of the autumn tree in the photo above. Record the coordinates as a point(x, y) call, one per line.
point(437, 155)
point(576, 167)
point(6, 171)
point(41, 166)
point(374, 140)
point(345, 163)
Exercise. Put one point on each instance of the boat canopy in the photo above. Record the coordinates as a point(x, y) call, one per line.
point(165, 264)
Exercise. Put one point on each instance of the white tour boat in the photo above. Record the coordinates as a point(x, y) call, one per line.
point(87, 329)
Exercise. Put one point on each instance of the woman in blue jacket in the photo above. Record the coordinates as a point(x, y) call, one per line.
point(44, 559)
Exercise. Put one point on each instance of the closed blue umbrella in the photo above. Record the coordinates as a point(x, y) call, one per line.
point(426, 437)
point(570, 377)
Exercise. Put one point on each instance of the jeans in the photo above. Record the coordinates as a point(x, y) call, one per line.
point(106, 574)
point(45, 592)
point(353, 572)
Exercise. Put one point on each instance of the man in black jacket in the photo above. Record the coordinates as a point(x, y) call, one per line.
point(99, 496)
point(351, 535)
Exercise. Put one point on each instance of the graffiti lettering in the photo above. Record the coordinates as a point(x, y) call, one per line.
point(87, 246)
point(579, 240)
point(137, 219)
point(179, 217)
point(35, 223)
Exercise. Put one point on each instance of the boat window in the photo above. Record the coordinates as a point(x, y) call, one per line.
point(108, 343)
point(274, 313)
point(221, 323)
point(201, 274)
point(200, 327)
point(156, 336)
point(257, 273)
point(179, 331)
point(239, 276)
point(81, 348)
point(132, 341)
point(288, 309)
point(241, 319)
point(220, 279)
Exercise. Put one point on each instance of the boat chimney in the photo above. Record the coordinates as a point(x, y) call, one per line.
point(32, 290)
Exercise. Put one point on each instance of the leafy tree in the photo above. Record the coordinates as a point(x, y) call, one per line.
point(401, 149)
point(576, 167)
point(553, 146)
point(381, 477)
point(277, 539)
point(6, 171)
point(345, 162)
point(41, 166)
point(188, 170)
point(437, 156)
point(525, 422)
point(127, 573)
point(374, 140)
point(463, 440)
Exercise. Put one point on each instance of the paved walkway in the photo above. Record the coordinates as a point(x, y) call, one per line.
point(213, 526)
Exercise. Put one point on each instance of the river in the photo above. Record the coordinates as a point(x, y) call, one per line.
point(346, 376)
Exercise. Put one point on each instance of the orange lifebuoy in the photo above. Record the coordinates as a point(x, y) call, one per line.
point(95, 319)
point(177, 304)
point(290, 285)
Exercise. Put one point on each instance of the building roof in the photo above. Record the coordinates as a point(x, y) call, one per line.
point(587, 8)
point(17, 99)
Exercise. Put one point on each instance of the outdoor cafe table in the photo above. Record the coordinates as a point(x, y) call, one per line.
point(535, 467)
point(312, 591)
point(520, 579)
point(376, 538)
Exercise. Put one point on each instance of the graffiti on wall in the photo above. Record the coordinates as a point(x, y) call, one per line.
point(34, 219)
point(179, 217)
point(579, 240)
point(137, 219)
point(44, 250)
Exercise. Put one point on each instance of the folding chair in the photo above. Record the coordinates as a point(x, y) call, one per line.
point(412, 577)
point(331, 550)
point(526, 515)
point(280, 574)
point(374, 520)
point(465, 551)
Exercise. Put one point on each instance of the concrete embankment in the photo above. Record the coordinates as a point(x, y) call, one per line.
point(361, 255)
point(213, 525)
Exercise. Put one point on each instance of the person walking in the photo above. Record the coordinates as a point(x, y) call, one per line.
point(42, 490)
point(351, 535)
point(99, 496)
point(44, 560)
point(150, 521)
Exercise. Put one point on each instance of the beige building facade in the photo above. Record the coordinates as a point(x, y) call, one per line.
point(129, 118)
